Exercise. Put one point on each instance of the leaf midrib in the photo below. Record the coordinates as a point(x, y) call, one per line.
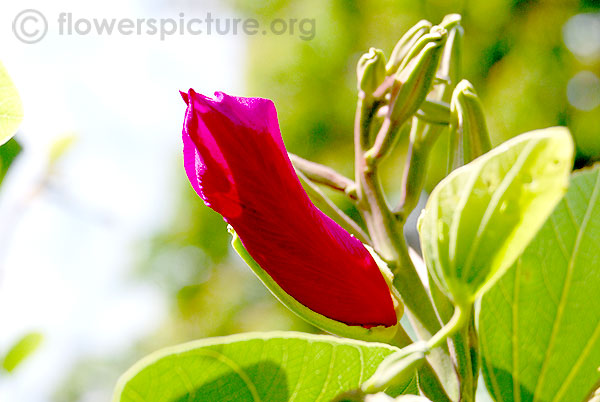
point(494, 201)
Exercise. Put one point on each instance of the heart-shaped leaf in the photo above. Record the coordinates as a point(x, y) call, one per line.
point(540, 326)
point(279, 366)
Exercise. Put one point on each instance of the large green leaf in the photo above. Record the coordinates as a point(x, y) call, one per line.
point(540, 326)
point(269, 367)
point(11, 110)
point(481, 217)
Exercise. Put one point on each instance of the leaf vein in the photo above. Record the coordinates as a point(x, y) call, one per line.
point(492, 376)
point(565, 291)
point(515, 334)
point(329, 371)
point(572, 374)
point(511, 175)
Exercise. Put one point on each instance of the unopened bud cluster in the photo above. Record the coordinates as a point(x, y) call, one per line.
point(421, 80)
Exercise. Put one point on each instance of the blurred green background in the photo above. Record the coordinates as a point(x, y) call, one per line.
point(534, 64)
point(514, 54)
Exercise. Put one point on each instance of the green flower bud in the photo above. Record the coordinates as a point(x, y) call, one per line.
point(434, 35)
point(436, 112)
point(469, 136)
point(408, 40)
point(371, 70)
point(397, 368)
point(450, 21)
point(414, 81)
point(451, 60)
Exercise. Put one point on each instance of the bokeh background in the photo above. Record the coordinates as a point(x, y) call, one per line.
point(106, 251)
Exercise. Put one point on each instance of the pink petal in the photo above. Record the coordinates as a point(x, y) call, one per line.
point(236, 161)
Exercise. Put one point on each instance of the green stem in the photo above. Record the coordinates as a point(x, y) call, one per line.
point(428, 378)
point(385, 140)
point(385, 229)
point(464, 343)
point(325, 175)
point(332, 210)
point(414, 295)
point(371, 201)
point(365, 111)
point(414, 172)
point(460, 318)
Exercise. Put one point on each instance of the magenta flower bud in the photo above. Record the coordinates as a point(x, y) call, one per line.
point(236, 161)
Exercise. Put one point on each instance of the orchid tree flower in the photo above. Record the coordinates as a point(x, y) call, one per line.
point(236, 161)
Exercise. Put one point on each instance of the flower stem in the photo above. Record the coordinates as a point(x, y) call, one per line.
point(465, 346)
point(385, 228)
point(460, 318)
point(325, 175)
point(414, 294)
point(427, 375)
point(332, 210)
point(415, 170)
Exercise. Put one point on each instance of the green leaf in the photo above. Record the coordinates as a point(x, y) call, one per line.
point(11, 110)
point(269, 367)
point(22, 349)
point(480, 218)
point(8, 153)
point(540, 326)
